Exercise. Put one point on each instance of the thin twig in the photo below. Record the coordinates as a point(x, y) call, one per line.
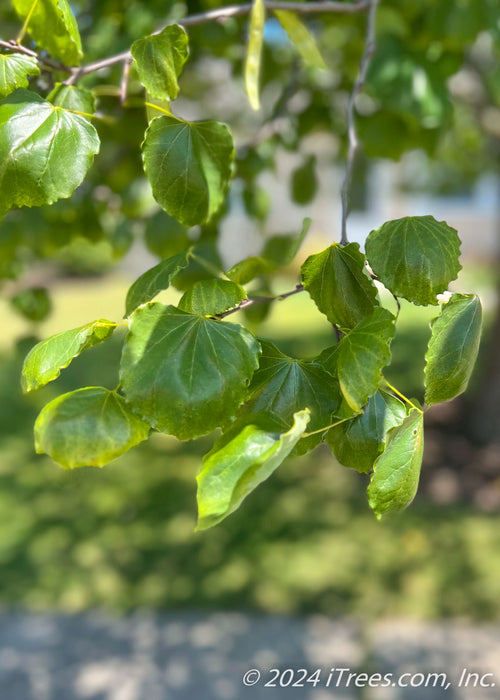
point(261, 300)
point(13, 46)
point(124, 81)
point(224, 13)
point(352, 136)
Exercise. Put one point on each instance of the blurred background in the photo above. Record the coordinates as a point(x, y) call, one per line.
point(106, 591)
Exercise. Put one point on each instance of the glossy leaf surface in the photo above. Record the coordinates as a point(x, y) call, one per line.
point(240, 460)
point(212, 297)
point(45, 360)
point(397, 471)
point(88, 427)
point(14, 71)
point(189, 166)
point(183, 373)
point(453, 348)
point(415, 257)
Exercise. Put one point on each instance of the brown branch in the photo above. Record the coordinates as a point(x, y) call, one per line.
point(352, 136)
point(261, 300)
point(13, 46)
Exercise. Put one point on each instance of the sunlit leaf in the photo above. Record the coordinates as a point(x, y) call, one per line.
point(212, 297)
point(241, 459)
point(453, 348)
point(14, 71)
point(72, 98)
point(45, 361)
point(159, 59)
point(88, 427)
point(397, 471)
point(415, 257)
point(155, 280)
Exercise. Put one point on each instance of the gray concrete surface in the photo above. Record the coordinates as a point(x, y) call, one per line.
point(205, 656)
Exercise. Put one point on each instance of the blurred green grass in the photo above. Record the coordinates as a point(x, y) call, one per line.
point(122, 537)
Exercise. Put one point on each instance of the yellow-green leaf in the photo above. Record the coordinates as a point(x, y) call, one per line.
point(302, 38)
point(254, 52)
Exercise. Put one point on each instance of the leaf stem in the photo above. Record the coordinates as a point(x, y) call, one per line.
point(402, 396)
point(262, 300)
point(160, 109)
point(327, 427)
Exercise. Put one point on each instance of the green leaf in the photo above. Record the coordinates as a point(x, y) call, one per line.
point(302, 38)
point(185, 374)
point(339, 285)
point(165, 236)
point(453, 348)
point(396, 472)
point(14, 71)
point(34, 303)
point(45, 361)
point(189, 166)
point(240, 460)
point(45, 151)
point(159, 60)
point(284, 385)
point(304, 183)
point(72, 98)
point(360, 356)
point(254, 52)
point(278, 251)
point(53, 27)
point(88, 427)
point(358, 442)
point(212, 297)
point(155, 280)
point(415, 257)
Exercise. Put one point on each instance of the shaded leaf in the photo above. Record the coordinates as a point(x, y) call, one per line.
point(302, 38)
point(284, 385)
point(14, 71)
point(53, 27)
point(240, 460)
point(189, 166)
point(396, 472)
point(453, 348)
point(304, 183)
point(212, 297)
point(339, 285)
point(45, 361)
point(254, 52)
point(34, 303)
point(278, 251)
point(88, 427)
point(415, 257)
point(165, 236)
point(45, 151)
point(185, 374)
point(159, 59)
point(360, 356)
point(358, 442)
point(72, 98)
point(154, 280)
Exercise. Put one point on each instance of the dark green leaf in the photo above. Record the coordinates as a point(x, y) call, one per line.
point(396, 472)
point(453, 348)
point(53, 27)
point(14, 71)
point(284, 385)
point(45, 151)
point(415, 257)
point(155, 280)
point(212, 297)
point(183, 373)
point(34, 304)
point(189, 166)
point(358, 442)
point(46, 360)
point(159, 59)
point(88, 427)
point(304, 182)
point(360, 356)
point(240, 460)
point(278, 251)
point(339, 285)
point(165, 236)
point(72, 98)
point(302, 38)
point(254, 52)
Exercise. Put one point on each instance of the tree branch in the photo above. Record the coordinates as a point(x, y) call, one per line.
point(44, 61)
point(351, 126)
point(261, 300)
point(223, 13)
